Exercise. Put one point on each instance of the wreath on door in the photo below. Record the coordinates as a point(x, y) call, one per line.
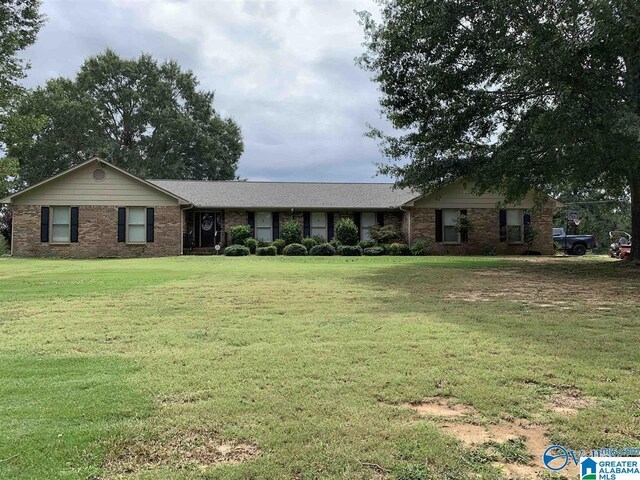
point(207, 223)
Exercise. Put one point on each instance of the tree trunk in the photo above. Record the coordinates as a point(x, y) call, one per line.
point(635, 221)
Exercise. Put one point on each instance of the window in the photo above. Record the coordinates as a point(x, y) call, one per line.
point(367, 219)
point(514, 226)
point(263, 226)
point(136, 225)
point(61, 225)
point(319, 224)
point(450, 230)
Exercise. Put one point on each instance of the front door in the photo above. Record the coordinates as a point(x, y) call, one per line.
point(210, 224)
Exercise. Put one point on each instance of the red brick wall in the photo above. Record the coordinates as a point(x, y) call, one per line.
point(239, 217)
point(484, 232)
point(231, 218)
point(97, 234)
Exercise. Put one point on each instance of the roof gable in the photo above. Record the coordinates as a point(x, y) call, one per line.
point(458, 194)
point(77, 185)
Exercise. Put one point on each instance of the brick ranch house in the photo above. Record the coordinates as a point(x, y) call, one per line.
point(96, 209)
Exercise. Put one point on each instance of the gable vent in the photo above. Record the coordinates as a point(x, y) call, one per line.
point(99, 174)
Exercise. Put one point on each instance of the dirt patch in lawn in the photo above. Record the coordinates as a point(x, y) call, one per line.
point(439, 407)
point(517, 470)
point(540, 290)
point(468, 433)
point(191, 449)
point(532, 435)
point(568, 402)
point(463, 423)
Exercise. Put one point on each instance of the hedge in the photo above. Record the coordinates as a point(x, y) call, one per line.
point(295, 249)
point(279, 244)
point(239, 233)
point(251, 244)
point(398, 249)
point(236, 251)
point(420, 248)
point(309, 243)
point(347, 232)
point(270, 251)
point(324, 249)
point(349, 250)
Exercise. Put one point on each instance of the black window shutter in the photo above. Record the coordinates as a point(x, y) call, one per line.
point(380, 220)
point(306, 224)
point(251, 221)
point(275, 222)
point(44, 224)
point(438, 225)
point(122, 224)
point(330, 226)
point(526, 220)
point(74, 225)
point(503, 225)
point(151, 214)
point(356, 220)
point(464, 233)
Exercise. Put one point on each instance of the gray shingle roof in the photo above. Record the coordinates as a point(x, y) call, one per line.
point(298, 195)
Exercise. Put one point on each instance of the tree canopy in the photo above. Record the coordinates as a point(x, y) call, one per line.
point(20, 22)
point(141, 115)
point(511, 94)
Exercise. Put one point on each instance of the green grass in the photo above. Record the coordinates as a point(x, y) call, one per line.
point(307, 359)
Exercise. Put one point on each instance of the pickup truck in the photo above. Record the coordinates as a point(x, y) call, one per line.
point(574, 244)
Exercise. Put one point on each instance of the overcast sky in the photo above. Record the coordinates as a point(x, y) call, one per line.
point(283, 69)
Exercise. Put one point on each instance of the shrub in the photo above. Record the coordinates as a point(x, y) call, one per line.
point(295, 249)
point(420, 248)
point(264, 244)
point(349, 250)
point(4, 246)
point(251, 244)
point(6, 223)
point(291, 232)
point(270, 251)
point(373, 251)
point(309, 243)
point(531, 234)
point(557, 247)
point(385, 234)
point(488, 250)
point(367, 244)
point(319, 240)
point(324, 249)
point(398, 249)
point(347, 232)
point(279, 244)
point(236, 251)
point(240, 233)
point(335, 243)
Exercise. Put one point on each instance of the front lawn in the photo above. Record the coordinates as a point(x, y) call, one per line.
point(274, 367)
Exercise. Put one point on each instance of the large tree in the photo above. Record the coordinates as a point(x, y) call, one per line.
point(146, 117)
point(20, 22)
point(512, 94)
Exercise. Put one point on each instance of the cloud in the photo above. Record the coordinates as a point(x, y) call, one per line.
point(284, 70)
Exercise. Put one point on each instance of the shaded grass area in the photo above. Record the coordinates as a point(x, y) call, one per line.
point(306, 358)
point(55, 412)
